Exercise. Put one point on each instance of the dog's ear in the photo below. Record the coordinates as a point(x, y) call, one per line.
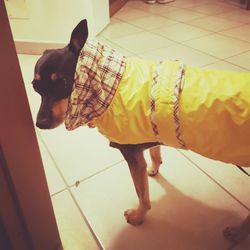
point(78, 37)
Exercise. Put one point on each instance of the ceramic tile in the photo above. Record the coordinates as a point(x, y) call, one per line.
point(241, 60)
point(191, 3)
point(27, 65)
point(228, 175)
point(73, 230)
point(115, 46)
point(219, 46)
point(151, 8)
point(119, 29)
point(241, 33)
point(142, 42)
point(189, 210)
point(79, 153)
point(181, 32)
point(182, 15)
point(34, 100)
point(214, 8)
point(54, 180)
point(213, 23)
point(127, 14)
point(152, 22)
point(180, 52)
point(223, 65)
point(237, 15)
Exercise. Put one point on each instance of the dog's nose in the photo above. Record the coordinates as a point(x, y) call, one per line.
point(43, 124)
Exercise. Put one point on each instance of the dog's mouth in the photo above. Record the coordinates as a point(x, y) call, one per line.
point(44, 124)
point(50, 117)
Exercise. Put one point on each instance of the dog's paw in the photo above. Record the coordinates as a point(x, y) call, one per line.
point(235, 235)
point(152, 171)
point(133, 217)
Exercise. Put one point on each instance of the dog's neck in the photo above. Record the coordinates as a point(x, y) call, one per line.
point(98, 73)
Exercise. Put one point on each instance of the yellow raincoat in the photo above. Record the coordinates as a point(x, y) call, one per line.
point(209, 115)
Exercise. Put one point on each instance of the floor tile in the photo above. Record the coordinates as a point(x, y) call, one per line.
point(182, 15)
point(115, 46)
point(79, 153)
point(181, 32)
point(223, 65)
point(239, 15)
point(152, 22)
point(191, 3)
point(228, 175)
point(242, 60)
point(127, 14)
point(241, 33)
point(214, 8)
point(213, 23)
point(219, 46)
point(180, 52)
point(150, 8)
point(189, 211)
point(119, 29)
point(54, 180)
point(73, 230)
point(27, 64)
point(142, 42)
point(33, 98)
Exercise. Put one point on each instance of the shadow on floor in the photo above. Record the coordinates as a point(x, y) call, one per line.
point(182, 224)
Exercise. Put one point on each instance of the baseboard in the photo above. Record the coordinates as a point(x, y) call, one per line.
point(36, 47)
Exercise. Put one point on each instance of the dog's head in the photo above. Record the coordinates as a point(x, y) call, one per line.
point(54, 77)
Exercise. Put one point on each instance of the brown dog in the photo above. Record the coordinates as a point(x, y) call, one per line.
point(58, 80)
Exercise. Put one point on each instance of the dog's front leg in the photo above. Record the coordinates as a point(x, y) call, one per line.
point(138, 169)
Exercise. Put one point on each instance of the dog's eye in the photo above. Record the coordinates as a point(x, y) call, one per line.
point(54, 76)
point(60, 88)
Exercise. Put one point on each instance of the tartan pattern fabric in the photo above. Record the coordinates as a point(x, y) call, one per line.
point(98, 73)
point(177, 91)
point(152, 100)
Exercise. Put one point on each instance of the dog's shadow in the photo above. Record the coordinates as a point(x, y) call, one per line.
point(179, 222)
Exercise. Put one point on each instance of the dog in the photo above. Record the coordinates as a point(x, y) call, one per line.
point(87, 82)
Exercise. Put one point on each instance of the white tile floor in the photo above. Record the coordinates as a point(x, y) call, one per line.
point(193, 198)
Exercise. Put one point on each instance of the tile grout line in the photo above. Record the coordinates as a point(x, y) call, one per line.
point(190, 8)
point(78, 182)
point(225, 61)
point(207, 15)
point(214, 180)
point(183, 42)
point(183, 22)
point(96, 238)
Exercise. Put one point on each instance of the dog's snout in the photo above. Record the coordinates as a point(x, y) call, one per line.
point(43, 123)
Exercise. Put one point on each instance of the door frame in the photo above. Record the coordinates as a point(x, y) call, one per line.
point(27, 220)
point(115, 5)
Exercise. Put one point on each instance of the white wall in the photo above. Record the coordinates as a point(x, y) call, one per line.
point(51, 21)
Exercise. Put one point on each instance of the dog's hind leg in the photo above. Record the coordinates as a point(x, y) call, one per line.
point(155, 154)
point(133, 154)
point(238, 234)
